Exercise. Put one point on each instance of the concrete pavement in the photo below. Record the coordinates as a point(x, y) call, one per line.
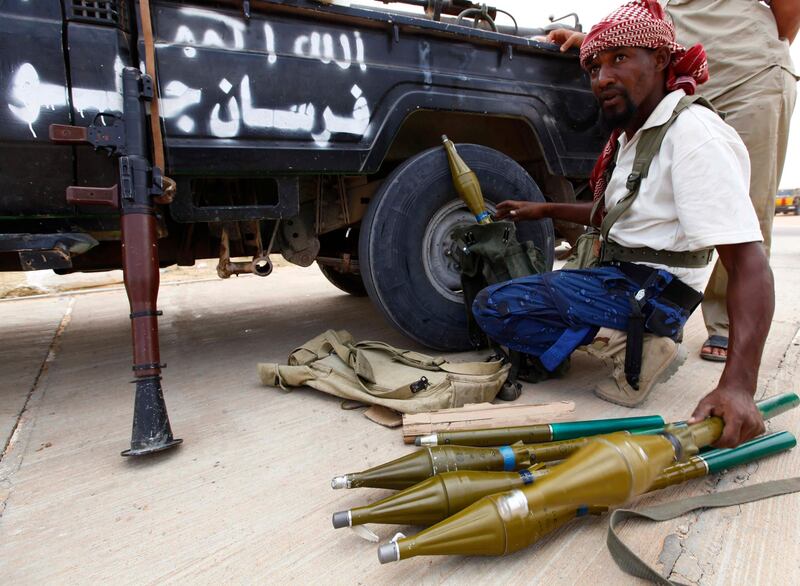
point(247, 497)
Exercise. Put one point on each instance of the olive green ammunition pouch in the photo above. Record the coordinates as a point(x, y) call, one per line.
point(376, 373)
point(586, 252)
point(489, 254)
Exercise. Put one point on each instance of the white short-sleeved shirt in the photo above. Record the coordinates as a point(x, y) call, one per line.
point(696, 194)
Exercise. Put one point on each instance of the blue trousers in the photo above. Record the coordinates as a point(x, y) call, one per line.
point(551, 314)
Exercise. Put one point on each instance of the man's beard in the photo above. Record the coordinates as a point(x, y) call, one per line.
point(619, 119)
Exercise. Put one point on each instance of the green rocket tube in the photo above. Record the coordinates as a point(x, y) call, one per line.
point(532, 434)
point(570, 430)
point(722, 459)
point(778, 404)
point(548, 432)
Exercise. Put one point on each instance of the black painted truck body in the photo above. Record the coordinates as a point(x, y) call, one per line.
point(284, 122)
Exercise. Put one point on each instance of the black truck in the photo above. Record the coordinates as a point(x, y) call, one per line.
point(300, 127)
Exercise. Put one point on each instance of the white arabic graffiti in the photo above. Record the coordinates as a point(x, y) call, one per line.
point(315, 45)
point(299, 117)
point(32, 95)
point(355, 124)
point(321, 46)
point(269, 41)
point(177, 98)
point(29, 95)
point(211, 38)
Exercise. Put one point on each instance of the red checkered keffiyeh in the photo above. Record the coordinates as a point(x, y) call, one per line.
point(641, 23)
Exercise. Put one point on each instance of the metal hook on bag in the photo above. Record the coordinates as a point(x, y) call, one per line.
point(420, 385)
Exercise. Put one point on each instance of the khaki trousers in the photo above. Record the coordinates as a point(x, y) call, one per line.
point(759, 110)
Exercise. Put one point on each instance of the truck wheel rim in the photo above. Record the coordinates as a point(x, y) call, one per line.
point(438, 246)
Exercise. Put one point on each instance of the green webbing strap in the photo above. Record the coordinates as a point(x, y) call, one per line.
point(632, 564)
point(696, 259)
point(649, 145)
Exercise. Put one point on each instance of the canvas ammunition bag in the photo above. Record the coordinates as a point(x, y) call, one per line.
point(489, 254)
point(376, 373)
point(586, 252)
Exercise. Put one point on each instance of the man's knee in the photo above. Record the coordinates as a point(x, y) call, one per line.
point(484, 310)
point(481, 303)
point(495, 300)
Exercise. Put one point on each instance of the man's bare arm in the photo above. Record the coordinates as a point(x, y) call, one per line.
point(787, 17)
point(577, 213)
point(751, 304)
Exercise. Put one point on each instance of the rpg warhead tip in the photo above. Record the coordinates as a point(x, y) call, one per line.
point(342, 519)
point(342, 481)
point(427, 440)
point(389, 552)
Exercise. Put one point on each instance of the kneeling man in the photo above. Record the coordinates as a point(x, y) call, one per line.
point(670, 187)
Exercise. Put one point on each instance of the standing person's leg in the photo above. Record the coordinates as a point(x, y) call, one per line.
point(760, 110)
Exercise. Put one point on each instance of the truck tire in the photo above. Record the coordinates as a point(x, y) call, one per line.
point(348, 282)
point(405, 238)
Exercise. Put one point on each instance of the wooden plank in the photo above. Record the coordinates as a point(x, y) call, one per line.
point(483, 416)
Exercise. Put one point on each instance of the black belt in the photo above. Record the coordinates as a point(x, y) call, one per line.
point(676, 291)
